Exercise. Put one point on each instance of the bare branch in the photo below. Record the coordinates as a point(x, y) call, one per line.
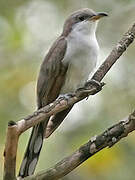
point(107, 139)
point(10, 152)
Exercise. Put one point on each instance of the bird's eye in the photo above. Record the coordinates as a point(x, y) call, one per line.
point(81, 18)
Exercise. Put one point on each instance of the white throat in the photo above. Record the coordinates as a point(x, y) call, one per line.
point(85, 28)
point(81, 55)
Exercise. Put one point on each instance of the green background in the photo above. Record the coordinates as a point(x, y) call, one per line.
point(27, 30)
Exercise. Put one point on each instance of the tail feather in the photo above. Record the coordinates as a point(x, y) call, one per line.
point(33, 150)
point(44, 129)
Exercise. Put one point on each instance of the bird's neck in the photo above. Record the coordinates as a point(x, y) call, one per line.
point(83, 33)
point(81, 39)
point(85, 30)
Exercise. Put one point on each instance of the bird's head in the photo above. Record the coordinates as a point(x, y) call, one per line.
point(84, 20)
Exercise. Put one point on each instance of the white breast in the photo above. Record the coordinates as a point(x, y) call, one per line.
point(81, 55)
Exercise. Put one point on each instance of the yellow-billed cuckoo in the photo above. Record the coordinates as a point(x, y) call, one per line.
point(66, 67)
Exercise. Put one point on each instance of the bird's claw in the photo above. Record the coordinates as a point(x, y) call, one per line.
point(94, 84)
point(88, 88)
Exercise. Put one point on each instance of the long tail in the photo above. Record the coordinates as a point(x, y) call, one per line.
point(33, 150)
point(44, 129)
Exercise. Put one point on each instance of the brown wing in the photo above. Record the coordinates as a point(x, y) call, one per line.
point(52, 73)
point(50, 81)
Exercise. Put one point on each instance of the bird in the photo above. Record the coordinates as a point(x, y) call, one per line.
point(66, 67)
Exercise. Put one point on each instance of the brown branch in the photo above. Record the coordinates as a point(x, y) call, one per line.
point(107, 139)
point(60, 104)
point(10, 152)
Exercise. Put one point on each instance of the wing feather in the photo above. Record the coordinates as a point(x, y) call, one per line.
point(52, 73)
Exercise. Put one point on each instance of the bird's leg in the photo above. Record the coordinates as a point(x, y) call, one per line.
point(88, 86)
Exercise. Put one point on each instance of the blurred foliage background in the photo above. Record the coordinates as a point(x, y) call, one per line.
point(27, 30)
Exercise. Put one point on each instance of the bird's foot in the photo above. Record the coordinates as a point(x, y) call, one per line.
point(94, 84)
point(88, 88)
point(65, 96)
